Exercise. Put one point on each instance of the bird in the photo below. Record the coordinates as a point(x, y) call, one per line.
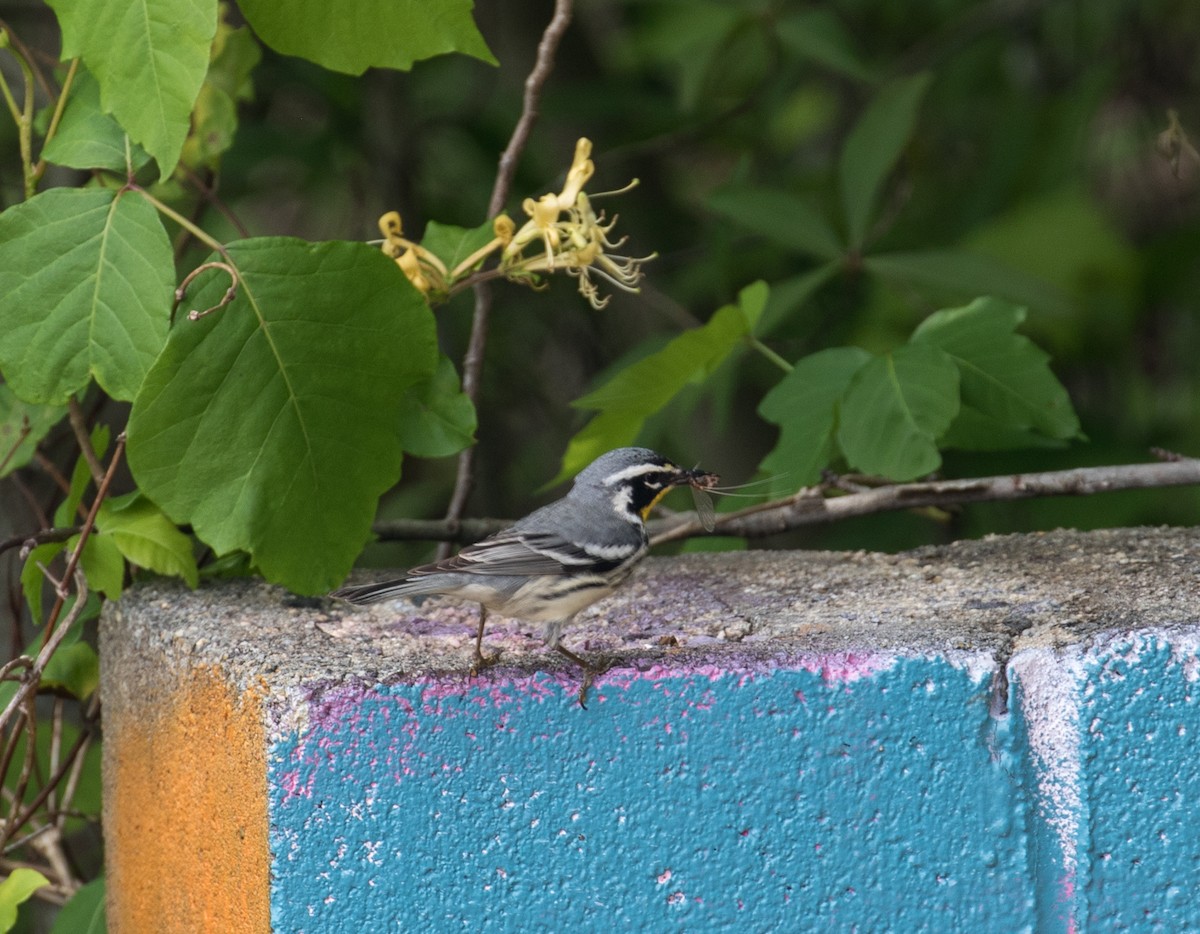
point(559, 559)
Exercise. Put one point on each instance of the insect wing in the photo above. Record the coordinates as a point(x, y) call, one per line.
point(704, 508)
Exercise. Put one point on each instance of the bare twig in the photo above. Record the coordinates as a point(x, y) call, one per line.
point(35, 667)
point(437, 530)
point(59, 774)
point(534, 84)
point(811, 507)
point(39, 538)
point(473, 359)
point(229, 296)
point(84, 438)
point(88, 524)
point(208, 193)
point(22, 434)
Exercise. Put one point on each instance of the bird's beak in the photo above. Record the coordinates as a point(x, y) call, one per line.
point(697, 479)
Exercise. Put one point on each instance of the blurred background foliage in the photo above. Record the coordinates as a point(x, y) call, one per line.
point(1034, 166)
point(1037, 161)
point(1036, 145)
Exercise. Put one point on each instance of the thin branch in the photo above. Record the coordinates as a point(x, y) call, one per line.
point(24, 432)
point(59, 106)
point(42, 797)
point(227, 298)
point(208, 193)
point(534, 85)
point(473, 359)
point(199, 233)
point(33, 539)
point(437, 530)
point(808, 507)
point(88, 525)
point(34, 667)
point(84, 438)
point(811, 507)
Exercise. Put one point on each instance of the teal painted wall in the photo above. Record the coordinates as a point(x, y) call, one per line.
point(823, 796)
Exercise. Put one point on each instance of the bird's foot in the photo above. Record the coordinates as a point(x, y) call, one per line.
point(482, 661)
point(591, 670)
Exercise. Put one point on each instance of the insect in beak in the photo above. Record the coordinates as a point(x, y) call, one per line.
point(700, 483)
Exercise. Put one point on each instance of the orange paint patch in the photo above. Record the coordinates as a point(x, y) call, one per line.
point(186, 810)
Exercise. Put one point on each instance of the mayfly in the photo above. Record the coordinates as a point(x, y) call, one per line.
point(701, 483)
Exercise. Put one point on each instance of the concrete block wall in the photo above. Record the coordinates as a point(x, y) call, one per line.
point(990, 736)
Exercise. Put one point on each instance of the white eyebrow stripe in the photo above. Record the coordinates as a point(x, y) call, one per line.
point(638, 470)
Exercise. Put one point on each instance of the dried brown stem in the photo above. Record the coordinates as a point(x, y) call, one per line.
point(22, 434)
point(84, 438)
point(473, 359)
point(808, 507)
point(39, 538)
point(88, 525)
point(229, 296)
point(811, 507)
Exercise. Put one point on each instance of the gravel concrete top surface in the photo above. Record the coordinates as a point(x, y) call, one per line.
point(980, 599)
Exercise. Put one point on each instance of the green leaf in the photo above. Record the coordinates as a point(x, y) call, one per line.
point(818, 35)
point(147, 538)
point(102, 565)
point(150, 57)
point(270, 425)
point(33, 580)
point(67, 512)
point(804, 406)
point(22, 426)
point(790, 295)
point(1005, 378)
point(214, 123)
point(694, 41)
point(452, 245)
point(895, 409)
point(374, 34)
point(650, 383)
point(604, 432)
point(89, 138)
point(752, 302)
point(873, 147)
point(83, 912)
point(1069, 244)
point(49, 743)
point(15, 890)
point(779, 216)
point(74, 668)
point(964, 274)
point(437, 418)
point(645, 387)
point(86, 278)
point(235, 53)
point(973, 430)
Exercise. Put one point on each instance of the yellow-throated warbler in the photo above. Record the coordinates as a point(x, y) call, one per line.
point(559, 559)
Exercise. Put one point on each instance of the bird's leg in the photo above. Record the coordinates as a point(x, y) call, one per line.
point(482, 661)
point(590, 671)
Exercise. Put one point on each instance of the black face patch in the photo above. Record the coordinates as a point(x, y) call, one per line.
point(645, 492)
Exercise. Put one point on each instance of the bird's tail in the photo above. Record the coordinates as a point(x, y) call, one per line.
point(384, 590)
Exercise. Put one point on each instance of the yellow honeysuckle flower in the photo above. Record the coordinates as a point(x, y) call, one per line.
point(575, 243)
point(423, 269)
point(570, 236)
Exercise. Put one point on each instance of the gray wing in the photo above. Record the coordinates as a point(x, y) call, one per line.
point(553, 541)
point(531, 554)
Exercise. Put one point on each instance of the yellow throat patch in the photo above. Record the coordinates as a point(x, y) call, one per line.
point(654, 502)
